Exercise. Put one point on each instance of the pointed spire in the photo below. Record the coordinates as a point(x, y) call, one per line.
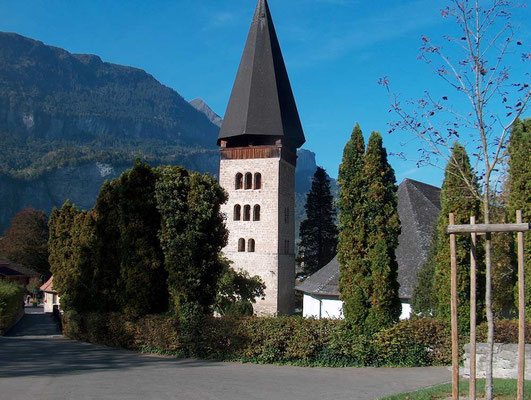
point(262, 103)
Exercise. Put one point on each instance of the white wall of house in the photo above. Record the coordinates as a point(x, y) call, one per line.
point(314, 306)
point(49, 300)
point(406, 310)
point(321, 307)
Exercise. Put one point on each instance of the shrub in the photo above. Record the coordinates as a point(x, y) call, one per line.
point(11, 303)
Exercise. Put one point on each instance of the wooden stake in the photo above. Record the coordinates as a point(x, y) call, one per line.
point(472, 381)
point(521, 310)
point(453, 304)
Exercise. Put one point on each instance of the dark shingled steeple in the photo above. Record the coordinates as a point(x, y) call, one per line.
point(261, 107)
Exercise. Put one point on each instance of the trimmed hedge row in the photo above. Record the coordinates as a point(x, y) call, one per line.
point(284, 340)
point(11, 304)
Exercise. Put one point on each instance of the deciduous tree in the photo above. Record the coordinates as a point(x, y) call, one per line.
point(25, 242)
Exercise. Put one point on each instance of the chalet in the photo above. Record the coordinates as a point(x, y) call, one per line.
point(12, 272)
point(418, 209)
point(50, 295)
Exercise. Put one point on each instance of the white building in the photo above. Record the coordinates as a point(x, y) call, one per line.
point(258, 141)
point(50, 296)
point(418, 209)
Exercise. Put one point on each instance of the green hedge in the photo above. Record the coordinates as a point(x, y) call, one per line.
point(285, 340)
point(11, 304)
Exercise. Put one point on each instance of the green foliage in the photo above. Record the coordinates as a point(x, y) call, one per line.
point(503, 266)
point(284, 340)
point(71, 258)
point(11, 304)
point(352, 245)
point(237, 292)
point(423, 302)
point(142, 273)
point(457, 198)
point(26, 240)
point(383, 228)
point(318, 232)
point(192, 235)
point(520, 190)
point(368, 235)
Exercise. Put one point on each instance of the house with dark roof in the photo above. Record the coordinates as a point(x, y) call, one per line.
point(12, 272)
point(418, 209)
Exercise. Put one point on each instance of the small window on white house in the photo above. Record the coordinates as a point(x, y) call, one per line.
point(247, 212)
point(241, 244)
point(237, 212)
point(238, 181)
point(248, 180)
point(258, 180)
point(256, 213)
point(250, 246)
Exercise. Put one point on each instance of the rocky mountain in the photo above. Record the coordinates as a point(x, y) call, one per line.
point(203, 107)
point(68, 122)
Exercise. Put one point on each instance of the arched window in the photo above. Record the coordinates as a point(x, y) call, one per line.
point(237, 212)
point(250, 246)
point(258, 180)
point(238, 182)
point(256, 213)
point(241, 244)
point(248, 180)
point(247, 212)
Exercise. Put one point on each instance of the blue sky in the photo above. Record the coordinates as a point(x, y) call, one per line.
point(335, 52)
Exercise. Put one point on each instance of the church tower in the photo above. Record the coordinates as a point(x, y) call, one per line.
point(258, 142)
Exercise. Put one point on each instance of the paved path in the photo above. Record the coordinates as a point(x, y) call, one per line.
point(54, 368)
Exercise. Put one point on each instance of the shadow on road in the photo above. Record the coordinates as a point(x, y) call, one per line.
point(35, 346)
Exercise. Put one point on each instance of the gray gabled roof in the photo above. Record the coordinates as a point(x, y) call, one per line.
point(323, 282)
point(418, 209)
point(262, 102)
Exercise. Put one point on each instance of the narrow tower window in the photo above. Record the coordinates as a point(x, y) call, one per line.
point(258, 180)
point(237, 212)
point(256, 213)
point(241, 244)
point(250, 246)
point(248, 180)
point(247, 212)
point(238, 184)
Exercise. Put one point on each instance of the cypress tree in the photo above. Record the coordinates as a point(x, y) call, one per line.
point(520, 190)
point(69, 280)
point(141, 259)
point(457, 198)
point(423, 302)
point(354, 274)
point(382, 230)
point(107, 281)
point(192, 235)
point(318, 232)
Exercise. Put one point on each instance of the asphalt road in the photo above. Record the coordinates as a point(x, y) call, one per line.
point(44, 366)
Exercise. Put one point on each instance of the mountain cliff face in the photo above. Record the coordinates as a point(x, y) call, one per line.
point(68, 122)
point(203, 107)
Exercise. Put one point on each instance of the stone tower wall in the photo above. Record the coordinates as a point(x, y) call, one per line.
point(273, 259)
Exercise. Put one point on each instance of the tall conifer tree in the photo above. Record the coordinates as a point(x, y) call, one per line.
point(382, 230)
point(457, 198)
point(318, 232)
point(354, 275)
point(520, 189)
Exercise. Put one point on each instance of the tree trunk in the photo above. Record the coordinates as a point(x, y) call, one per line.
point(488, 302)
